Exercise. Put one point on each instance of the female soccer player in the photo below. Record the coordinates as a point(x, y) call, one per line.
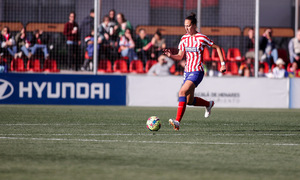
point(192, 43)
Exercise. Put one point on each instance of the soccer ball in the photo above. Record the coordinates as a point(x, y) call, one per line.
point(153, 123)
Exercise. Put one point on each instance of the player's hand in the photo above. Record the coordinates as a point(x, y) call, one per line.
point(223, 69)
point(167, 52)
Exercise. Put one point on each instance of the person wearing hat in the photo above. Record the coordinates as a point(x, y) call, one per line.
point(279, 71)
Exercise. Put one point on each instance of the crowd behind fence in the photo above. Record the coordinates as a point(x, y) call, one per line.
point(124, 48)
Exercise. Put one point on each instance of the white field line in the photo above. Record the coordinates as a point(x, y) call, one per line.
point(61, 124)
point(146, 134)
point(147, 142)
point(101, 124)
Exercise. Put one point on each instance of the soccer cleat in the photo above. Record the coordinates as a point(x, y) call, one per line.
point(208, 109)
point(175, 124)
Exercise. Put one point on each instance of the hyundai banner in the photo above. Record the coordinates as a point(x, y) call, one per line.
point(62, 89)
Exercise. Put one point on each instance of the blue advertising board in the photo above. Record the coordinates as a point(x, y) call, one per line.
point(20, 88)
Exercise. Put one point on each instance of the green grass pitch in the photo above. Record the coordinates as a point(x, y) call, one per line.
point(112, 142)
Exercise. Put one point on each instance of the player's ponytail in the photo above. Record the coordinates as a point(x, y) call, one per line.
point(192, 18)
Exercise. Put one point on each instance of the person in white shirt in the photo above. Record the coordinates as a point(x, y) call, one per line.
point(162, 68)
point(279, 71)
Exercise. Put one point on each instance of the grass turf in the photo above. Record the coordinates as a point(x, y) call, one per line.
point(111, 142)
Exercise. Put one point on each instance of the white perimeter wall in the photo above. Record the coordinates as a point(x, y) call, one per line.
point(230, 92)
point(295, 93)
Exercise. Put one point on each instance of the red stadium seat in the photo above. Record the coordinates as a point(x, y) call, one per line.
point(86, 56)
point(234, 54)
point(2, 59)
point(173, 69)
point(149, 63)
point(266, 66)
point(105, 66)
point(289, 66)
point(232, 68)
point(17, 65)
point(136, 66)
point(205, 55)
point(282, 53)
point(298, 73)
point(50, 65)
point(34, 65)
point(120, 66)
point(214, 55)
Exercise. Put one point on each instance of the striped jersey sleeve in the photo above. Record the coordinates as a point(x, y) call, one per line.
point(193, 47)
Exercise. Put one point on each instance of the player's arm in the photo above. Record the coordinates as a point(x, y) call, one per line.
point(223, 67)
point(176, 57)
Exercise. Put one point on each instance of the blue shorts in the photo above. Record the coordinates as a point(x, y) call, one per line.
point(196, 77)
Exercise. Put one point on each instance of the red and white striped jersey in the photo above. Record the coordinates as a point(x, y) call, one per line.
point(193, 47)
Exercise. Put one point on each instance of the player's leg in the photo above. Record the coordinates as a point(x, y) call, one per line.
point(184, 93)
point(197, 101)
point(201, 102)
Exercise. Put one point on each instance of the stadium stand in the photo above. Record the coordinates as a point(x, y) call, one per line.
point(13, 26)
point(33, 65)
point(105, 66)
point(50, 65)
point(179, 30)
point(214, 55)
point(206, 55)
point(233, 53)
point(173, 69)
point(276, 32)
point(17, 65)
point(120, 66)
point(46, 27)
point(149, 63)
point(136, 67)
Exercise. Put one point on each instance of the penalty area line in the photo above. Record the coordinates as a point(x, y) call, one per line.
point(147, 142)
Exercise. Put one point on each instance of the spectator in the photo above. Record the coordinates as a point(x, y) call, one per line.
point(113, 29)
point(127, 46)
point(108, 43)
point(279, 71)
point(104, 30)
point(267, 45)
point(250, 42)
point(112, 18)
point(72, 36)
point(213, 71)
point(162, 68)
point(143, 45)
point(7, 43)
point(294, 51)
point(245, 71)
point(180, 67)
point(23, 44)
point(105, 37)
point(39, 42)
point(159, 45)
point(89, 40)
point(3, 65)
point(248, 64)
point(86, 25)
point(261, 70)
point(122, 25)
